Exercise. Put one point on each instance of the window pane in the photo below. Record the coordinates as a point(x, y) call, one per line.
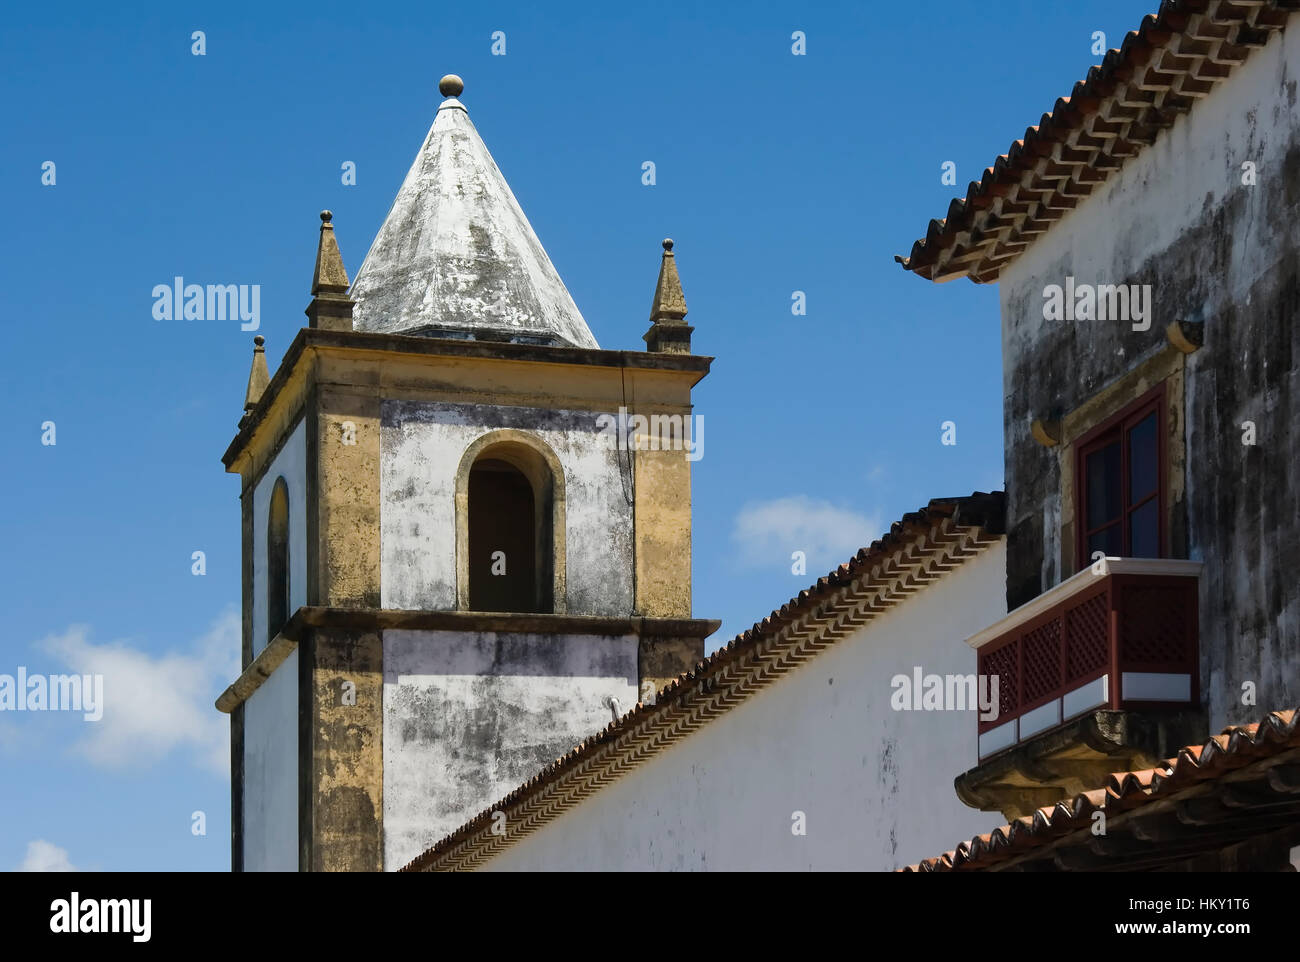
point(1144, 530)
point(1104, 498)
point(1108, 540)
point(1143, 459)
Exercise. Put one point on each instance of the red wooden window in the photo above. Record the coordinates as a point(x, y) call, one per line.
point(1120, 482)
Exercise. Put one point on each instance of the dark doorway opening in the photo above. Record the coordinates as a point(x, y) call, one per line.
point(506, 548)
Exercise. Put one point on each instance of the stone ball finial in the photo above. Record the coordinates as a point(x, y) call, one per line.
point(258, 341)
point(668, 244)
point(451, 86)
point(326, 216)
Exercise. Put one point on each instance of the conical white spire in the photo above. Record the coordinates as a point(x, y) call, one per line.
point(456, 257)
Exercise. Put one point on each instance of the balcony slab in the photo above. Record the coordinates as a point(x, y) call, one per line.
point(1077, 757)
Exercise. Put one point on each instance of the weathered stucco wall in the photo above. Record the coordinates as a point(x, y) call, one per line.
point(342, 729)
point(663, 532)
point(421, 450)
point(344, 531)
point(291, 464)
point(874, 784)
point(271, 772)
point(1214, 250)
point(468, 717)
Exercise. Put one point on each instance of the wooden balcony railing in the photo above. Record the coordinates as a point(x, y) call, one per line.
point(1122, 639)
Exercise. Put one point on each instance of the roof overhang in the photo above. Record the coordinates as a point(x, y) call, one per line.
point(1175, 58)
point(1235, 787)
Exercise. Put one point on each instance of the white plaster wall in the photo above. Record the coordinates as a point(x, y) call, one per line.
point(874, 784)
point(468, 717)
point(271, 772)
point(291, 464)
point(420, 451)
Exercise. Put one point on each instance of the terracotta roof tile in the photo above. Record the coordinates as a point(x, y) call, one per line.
point(1238, 746)
point(1159, 71)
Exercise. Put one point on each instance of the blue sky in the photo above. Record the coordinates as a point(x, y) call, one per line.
point(775, 173)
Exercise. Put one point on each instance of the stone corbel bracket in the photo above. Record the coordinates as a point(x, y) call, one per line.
point(1187, 336)
point(1046, 432)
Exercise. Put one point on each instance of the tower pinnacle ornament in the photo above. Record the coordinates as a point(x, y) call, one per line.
point(669, 333)
point(330, 308)
point(258, 377)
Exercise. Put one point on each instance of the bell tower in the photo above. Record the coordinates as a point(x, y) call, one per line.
point(466, 527)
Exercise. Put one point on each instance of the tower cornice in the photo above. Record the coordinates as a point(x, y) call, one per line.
point(290, 383)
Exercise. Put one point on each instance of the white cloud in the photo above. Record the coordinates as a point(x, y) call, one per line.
point(154, 705)
point(768, 531)
point(42, 856)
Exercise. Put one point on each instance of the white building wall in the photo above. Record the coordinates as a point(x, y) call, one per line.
point(470, 716)
point(291, 464)
point(421, 447)
point(875, 785)
point(271, 772)
point(1143, 211)
point(1216, 250)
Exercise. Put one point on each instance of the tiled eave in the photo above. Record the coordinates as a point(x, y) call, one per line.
point(1161, 69)
point(1238, 783)
point(918, 549)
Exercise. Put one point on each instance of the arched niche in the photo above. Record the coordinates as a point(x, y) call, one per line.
point(277, 560)
point(510, 499)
